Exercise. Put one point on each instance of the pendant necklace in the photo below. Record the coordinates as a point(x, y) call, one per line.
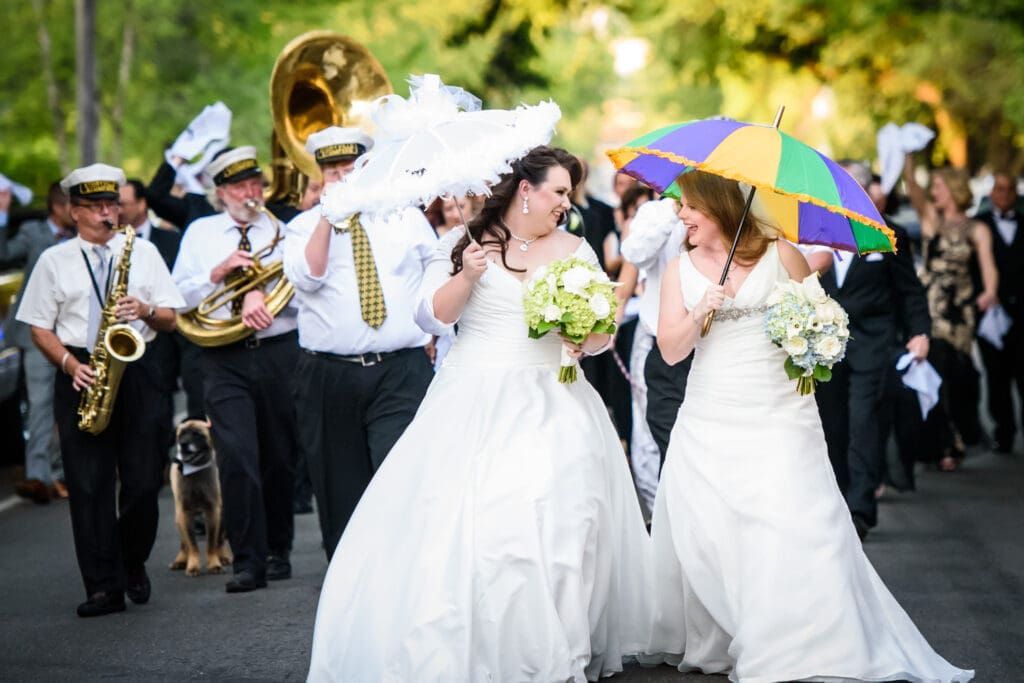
point(525, 242)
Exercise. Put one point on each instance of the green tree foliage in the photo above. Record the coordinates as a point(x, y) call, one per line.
point(843, 69)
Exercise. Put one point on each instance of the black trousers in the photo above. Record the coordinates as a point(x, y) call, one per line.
point(351, 417)
point(249, 403)
point(113, 532)
point(851, 408)
point(189, 368)
point(666, 388)
point(1004, 367)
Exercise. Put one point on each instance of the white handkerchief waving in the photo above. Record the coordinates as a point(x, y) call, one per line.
point(894, 142)
point(994, 325)
point(922, 378)
point(20, 192)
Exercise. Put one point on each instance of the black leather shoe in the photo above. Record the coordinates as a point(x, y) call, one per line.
point(99, 604)
point(279, 567)
point(137, 587)
point(245, 581)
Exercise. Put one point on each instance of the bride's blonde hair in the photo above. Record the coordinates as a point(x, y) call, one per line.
point(722, 200)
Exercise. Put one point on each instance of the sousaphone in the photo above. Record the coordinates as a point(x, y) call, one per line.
point(320, 79)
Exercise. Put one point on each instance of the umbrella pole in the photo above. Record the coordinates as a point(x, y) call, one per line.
point(462, 218)
point(706, 326)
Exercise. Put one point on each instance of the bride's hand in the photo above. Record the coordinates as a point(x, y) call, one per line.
point(714, 297)
point(474, 261)
point(575, 350)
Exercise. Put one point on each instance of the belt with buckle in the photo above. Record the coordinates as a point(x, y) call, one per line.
point(364, 359)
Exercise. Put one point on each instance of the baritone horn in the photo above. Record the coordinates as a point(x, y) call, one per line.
point(202, 328)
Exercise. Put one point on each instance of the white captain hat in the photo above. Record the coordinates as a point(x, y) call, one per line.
point(233, 164)
point(338, 144)
point(96, 181)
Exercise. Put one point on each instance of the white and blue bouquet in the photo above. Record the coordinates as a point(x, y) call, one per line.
point(811, 327)
point(572, 297)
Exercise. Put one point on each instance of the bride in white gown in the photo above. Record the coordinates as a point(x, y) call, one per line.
point(502, 539)
point(759, 572)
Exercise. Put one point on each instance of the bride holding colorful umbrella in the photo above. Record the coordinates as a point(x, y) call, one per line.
point(758, 569)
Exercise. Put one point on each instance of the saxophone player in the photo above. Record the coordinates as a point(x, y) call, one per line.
point(64, 302)
point(245, 383)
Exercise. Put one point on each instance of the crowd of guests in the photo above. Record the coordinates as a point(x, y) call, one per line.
point(360, 364)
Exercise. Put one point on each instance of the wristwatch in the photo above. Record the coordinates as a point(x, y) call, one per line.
point(152, 312)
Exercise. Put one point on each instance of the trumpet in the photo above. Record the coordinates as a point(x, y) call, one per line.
point(199, 325)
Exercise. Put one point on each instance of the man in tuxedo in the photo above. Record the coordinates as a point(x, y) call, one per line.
point(44, 472)
point(1005, 221)
point(882, 295)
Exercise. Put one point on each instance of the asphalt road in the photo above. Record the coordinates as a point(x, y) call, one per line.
point(952, 554)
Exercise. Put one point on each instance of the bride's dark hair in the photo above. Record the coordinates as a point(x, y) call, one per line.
point(487, 227)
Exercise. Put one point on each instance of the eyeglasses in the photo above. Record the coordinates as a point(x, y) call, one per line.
point(101, 205)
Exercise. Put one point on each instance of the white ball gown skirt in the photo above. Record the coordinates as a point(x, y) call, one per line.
point(759, 572)
point(501, 540)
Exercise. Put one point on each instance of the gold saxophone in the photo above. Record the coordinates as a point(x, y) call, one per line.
point(116, 344)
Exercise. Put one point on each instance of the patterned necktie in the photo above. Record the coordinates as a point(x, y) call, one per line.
point(99, 275)
point(244, 245)
point(371, 297)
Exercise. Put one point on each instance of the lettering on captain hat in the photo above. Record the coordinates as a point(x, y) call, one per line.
point(96, 181)
point(233, 164)
point(335, 143)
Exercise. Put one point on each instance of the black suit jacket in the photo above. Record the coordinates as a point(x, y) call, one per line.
point(598, 221)
point(167, 243)
point(1009, 262)
point(885, 302)
point(181, 211)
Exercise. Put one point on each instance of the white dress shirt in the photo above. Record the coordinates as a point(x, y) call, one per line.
point(144, 230)
point(205, 244)
point(841, 261)
point(330, 317)
point(58, 292)
point(656, 237)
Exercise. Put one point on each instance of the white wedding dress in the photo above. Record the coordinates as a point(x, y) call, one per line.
point(501, 540)
point(758, 569)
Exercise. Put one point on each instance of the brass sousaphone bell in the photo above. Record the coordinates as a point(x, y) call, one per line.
point(320, 79)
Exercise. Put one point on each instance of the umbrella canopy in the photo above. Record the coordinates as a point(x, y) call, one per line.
point(811, 197)
point(436, 143)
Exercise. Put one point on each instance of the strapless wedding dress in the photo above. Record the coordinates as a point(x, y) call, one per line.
point(501, 540)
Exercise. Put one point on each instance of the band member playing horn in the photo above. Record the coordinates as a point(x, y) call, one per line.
point(363, 370)
point(65, 303)
point(246, 382)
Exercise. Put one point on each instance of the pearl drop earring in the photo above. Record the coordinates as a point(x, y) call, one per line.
point(526, 205)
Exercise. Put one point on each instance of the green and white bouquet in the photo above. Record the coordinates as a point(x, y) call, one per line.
point(572, 297)
point(811, 327)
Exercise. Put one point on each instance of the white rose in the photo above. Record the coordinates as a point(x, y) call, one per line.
point(576, 279)
point(552, 284)
point(776, 297)
point(795, 346)
point(814, 324)
point(828, 347)
point(843, 332)
point(813, 291)
point(825, 313)
point(552, 313)
point(794, 329)
point(600, 306)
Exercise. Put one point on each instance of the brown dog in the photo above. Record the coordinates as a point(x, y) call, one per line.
point(196, 487)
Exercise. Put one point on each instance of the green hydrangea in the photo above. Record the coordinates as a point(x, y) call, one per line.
point(570, 296)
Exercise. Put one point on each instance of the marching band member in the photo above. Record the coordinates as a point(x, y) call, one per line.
point(364, 369)
point(63, 304)
point(253, 418)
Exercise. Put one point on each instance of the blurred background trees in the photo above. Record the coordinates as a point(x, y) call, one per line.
point(617, 69)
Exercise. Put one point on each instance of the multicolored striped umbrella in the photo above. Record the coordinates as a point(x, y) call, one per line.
point(811, 197)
